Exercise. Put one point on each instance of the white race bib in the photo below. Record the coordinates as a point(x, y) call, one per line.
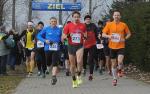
point(53, 47)
point(40, 44)
point(76, 38)
point(99, 46)
point(115, 37)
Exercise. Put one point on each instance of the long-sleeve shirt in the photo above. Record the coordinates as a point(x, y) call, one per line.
point(53, 34)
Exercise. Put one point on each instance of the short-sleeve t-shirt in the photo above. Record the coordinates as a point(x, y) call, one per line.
point(117, 32)
point(75, 32)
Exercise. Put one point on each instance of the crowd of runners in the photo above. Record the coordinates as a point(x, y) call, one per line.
point(80, 46)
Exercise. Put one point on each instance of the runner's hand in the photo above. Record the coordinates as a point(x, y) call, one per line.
point(47, 41)
point(33, 41)
point(99, 36)
point(109, 36)
point(51, 43)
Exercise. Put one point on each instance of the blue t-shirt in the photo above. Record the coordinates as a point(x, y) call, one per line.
point(53, 34)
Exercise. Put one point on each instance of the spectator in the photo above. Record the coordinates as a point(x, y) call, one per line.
point(3, 51)
point(13, 50)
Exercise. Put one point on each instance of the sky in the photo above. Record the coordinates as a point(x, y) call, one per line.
point(22, 11)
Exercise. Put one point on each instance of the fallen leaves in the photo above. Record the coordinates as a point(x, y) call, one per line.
point(133, 72)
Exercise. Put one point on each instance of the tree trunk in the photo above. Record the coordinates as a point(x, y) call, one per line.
point(90, 7)
point(74, 1)
point(60, 14)
point(30, 11)
point(1, 16)
point(2, 3)
point(13, 14)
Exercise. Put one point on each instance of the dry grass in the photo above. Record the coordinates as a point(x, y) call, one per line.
point(9, 83)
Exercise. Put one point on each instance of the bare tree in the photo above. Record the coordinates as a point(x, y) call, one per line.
point(74, 1)
point(13, 14)
point(2, 3)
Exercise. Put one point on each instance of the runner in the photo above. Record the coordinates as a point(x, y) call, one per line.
point(51, 36)
point(106, 49)
point(90, 46)
point(39, 51)
point(76, 32)
point(29, 47)
point(100, 48)
point(117, 32)
point(104, 55)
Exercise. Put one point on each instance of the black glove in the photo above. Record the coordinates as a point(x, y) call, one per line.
point(51, 43)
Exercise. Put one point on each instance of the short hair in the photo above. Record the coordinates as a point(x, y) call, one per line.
point(115, 11)
point(87, 16)
point(68, 22)
point(100, 22)
point(76, 12)
point(41, 23)
point(53, 18)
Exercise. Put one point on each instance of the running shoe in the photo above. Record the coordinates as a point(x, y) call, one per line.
point(120, 73)
point(67, 73)
point(54, 80)
point(114, 82)
point(79, 80)
point(74, 84)
point(29, 74)
point(39, 73)
point(84, 72)
point(47, 71)
point(90, 78)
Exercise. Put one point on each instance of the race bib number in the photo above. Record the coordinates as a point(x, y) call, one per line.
point(40, 44)
point(115, 37)
point(76, 38)
point(99, 46)
point(53, 47)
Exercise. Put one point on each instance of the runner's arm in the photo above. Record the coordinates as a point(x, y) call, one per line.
point(22, 34)
point(127, 31)
point(106, 35)
point(40, 36)
point(105, 32)
point(128, 35)
point(65, 33)
point(63, 37)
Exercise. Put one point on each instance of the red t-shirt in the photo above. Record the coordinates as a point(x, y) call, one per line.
point(91, 40)
point(76, 32)
point(91, 35)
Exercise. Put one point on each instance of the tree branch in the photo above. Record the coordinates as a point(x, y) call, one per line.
point(94, 8)
point(66, 19)
point(2, 3)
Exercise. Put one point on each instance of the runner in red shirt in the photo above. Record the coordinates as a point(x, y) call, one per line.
point(90, 46)
point(76, 33)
